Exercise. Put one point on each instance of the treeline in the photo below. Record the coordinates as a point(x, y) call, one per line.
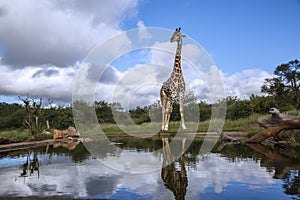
point(15, 116)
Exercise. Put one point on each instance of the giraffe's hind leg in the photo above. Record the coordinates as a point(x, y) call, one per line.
point(181, 99)
point(163, 99)
point(169, 109)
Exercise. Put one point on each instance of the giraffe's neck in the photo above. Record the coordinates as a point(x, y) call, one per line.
point(177, 62)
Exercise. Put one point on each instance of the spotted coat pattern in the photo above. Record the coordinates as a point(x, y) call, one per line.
point(173, 86)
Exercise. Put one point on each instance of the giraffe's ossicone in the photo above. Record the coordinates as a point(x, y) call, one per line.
point(174, 86)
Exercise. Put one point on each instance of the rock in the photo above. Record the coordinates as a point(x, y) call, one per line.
point(57, 134)
point(45, 132)
point(70, 132)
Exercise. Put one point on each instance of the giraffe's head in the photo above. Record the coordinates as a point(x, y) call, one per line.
point(177, 35)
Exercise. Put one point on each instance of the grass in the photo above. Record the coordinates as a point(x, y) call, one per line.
point(15, 134)
point(293, 112)
point(22, 135)
point(248, 125)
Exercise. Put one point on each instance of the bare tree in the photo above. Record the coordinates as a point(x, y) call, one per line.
point(33, 113)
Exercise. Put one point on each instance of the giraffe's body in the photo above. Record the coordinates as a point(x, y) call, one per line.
point(174, 86)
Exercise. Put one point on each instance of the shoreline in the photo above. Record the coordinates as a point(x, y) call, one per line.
point(25, 145)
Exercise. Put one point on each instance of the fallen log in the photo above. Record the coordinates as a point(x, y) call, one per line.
point(274, 125)
point(225, 139)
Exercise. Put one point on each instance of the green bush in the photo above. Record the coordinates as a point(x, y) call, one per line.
point(239, 109)
point(262, 104)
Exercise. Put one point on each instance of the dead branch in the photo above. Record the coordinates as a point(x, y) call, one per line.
point(274, 125)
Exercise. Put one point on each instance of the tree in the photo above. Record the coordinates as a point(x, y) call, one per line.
point(140, 115)
point(33, 112)
point(205, 110)
point(239, 109)
point(262, 104)
point(285, 86)
point(58, 117)
point(190, 107)
point(104, 112)
point(11, 116)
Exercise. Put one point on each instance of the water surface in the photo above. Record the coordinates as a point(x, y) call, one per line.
point(236, 172)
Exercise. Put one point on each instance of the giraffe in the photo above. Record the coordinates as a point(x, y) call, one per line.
point(174, 86)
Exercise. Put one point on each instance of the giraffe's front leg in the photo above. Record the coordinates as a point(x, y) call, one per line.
point(181, 99)
point(163, 99)
point(163, 119)
point(163, 113)
point(167, 115)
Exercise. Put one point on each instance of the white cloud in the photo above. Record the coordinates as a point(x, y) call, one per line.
point(91, 177)
point(104, 11)
point(110, 49)
point(139, 86)
point(164, 53)
point(42, 42)
point(143, 33)
point(243, 84)
point(51, 82)
point(210, 86)
point(57, 32)
point(217, 172)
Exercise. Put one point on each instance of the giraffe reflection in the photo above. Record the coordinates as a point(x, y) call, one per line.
point(175, 179)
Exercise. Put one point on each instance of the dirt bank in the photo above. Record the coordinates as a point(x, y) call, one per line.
point(34, 144)
point(25, 145)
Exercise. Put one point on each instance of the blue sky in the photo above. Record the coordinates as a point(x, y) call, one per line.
point(237, 34)
point(42, 44)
